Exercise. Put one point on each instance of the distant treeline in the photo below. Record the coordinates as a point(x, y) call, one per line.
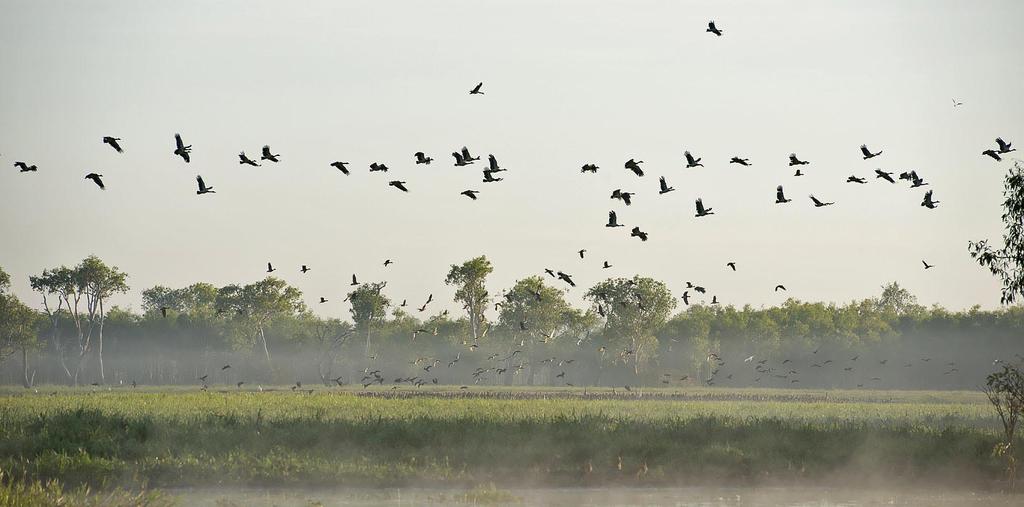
point(635, 332)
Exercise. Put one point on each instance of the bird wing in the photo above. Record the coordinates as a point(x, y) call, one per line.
point(664, 186)
point(465, 153)
point(778, 193)
point(202, 185)
point(177, 141)
point(864, 149)
point(700, 206)
point(493, 161)
point(816, 201)
point(611, 217)
point(266, 150)
point(477, 87)
point(1002, 144)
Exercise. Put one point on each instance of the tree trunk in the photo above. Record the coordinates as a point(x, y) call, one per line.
point(99, 350)
point(27, 382)
point(266, 350)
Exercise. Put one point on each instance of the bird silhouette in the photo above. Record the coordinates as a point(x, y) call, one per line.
point(854, 179)
point(304, 269)
point(686, 297)
point(493, 164)
point(957, 103)
point(270, 268)
point(476, 89)
point(887, 176)
point(422, 159)
point(798, 173)
point(613, 220)
point(375, 167)
point(203, 189)
point(566, 278)
point(634, 165)
point(467, 156)
point(340, 166)
point(354, 281)
point(113, 142)
point(740, 161)
point(1004, 147)
point(589, 168)
point(927, 266)
point(470, 193)
point(731, 265)
point(459, 159)
point(780, 196)
point(399, 185)
point(606, 265)
point(780, 287)
point(915, 180)
point(818, 203)
point(581, 252)
point(267, 155)
point(25, 168)
point(701, 211)
point(637, 233)
point(323, 299)
point(796, 161)
point(625, 197)
point(664, 186)
point(713, 29)
point(928, 202)
point(181, 150)
point(867, 153)
point(97, 179)
point(692, 162)
point(489, 178)
point(244, 159)
point(388, 262)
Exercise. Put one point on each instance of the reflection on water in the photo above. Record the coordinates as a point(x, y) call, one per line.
point(681, 497)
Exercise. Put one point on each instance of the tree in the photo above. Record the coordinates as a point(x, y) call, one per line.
point(1007, 262)
point(369, 307)
point(257, 304)
point(1005, 390)
point(897, 301)
point(329, 336)
point(470, 279)
point(17, 328)
point(5, 281)
point(533, 313)
point(55, 284)
point(635, 309)
point(100, 282)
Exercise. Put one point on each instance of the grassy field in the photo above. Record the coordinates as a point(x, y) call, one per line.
point(467, 437)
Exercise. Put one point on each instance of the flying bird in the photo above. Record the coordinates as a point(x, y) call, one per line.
point(459, 159)
point(993, 154)
point(887, 176)
point(686, 297)
point(470, 193)
point(957, 103)
point(634, 165)
point(323, 299)
point(692, 162)
point(798, 173)
point(780, 287)
point(267, 155)
point(270, 268)
point(340, 166)
point(181, 150)
point(664, 186)
point(203, 189)
point(467, 156)
point(926, 265)
point(422, 159)
point(244, 159)
point(399, 185)
point(613, 220)
point(606, 265)
point(97, 179)
point(581, 252)
point(623, 196)
point(854, 179)
point(780, 197)
point(637, 233)
point(566, 278)
point(915, 180)
point(388, 262)
point(375, 167)
point(489, 178)
point(731, 265)
point(476, 89)
point(795, 161)
point(304, 269)
point(25, 168)
point(701, 211)
point(113, 142)
point(589, 168)
point(819, 204)
point(1004, 147)
point(867, 153)
point(740, 161)
point(713, 29)
point(928, 202)
point(354, 281)
point(493, 164)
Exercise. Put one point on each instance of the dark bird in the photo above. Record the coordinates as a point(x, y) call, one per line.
point(581, 252)
point(550, 272)
point(470, 193)
point(203, 189)
point(819, 204)
point(713, 29)
point(181, 150)
point(664, 186)
point(267, 155)
point(467, 156)
point(854, 179)
point(399, 185)
point(714, 301)
point(375, 167)
point(354, 281)
point(225, 367)
point(1004, 147)
point(731, 265)
point(459, 159)
point(270, 268)
point(795, 161)
point(798, 173)
point(780, 287)
point(244, 159)
point(928, 202)
point(304, 269)
point(701, 211)
point(493, 164)
point(686, 297)
point(422, 159)
point(867, 153)
point(915, 180)
point(692, 162)
point(957, 103)
point(488, 178)
point(203, 378)
point(388, 262)
point(623, 196)
point(113, 142)
point(613, 220)
point(589, 168)
point(993, 154)
point(637, 233)
point(97, 179)
point(606, 265)
point(323, 299)
point(340, 166)
point(884, 175)
point(25, 168)
point(927, 266)
point(566, 278)
point(634, 165)
point(740, 161)
point(780, 197)
point(476, 89)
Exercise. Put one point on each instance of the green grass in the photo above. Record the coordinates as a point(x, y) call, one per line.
point(459, 439)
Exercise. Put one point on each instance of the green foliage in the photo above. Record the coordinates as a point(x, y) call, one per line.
point(635, 309)
point(1007, 262)
point(470, 280)
point(53, 493)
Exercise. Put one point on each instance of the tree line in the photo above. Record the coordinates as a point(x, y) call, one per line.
point(631, 331)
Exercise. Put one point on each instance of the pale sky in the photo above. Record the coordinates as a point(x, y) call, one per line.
point(566, 83)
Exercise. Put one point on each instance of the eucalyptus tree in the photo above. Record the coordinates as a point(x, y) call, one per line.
point(256, 305)
point(55, 286)
point(369, 308)
point(634, 310)
point(470, 280)
point(531, 314)
point(1007, 262)
point(99, 282)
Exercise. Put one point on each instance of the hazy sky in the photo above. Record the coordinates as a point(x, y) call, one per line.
point(566, 83)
